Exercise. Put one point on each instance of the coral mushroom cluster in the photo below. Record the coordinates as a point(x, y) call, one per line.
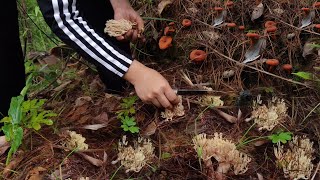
point(296, 160)
point(267, 117)
point(224, 151)
point(75, 141)
point(177, 111)
point(134, 158)
point(116, 28)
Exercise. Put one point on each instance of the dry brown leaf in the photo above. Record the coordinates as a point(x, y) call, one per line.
point(163, 4)
point(257, 12)
point(308, 49)
point(95, 127)
point(35, 173)
point(4, 145)
point(150, 129)
point(11, 166)
point(82, 100)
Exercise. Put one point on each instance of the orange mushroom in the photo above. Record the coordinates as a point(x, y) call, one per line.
point(317, 26)
point(305, 10)
point(287, 68)
point(218, 8)
point(171, 24)
point(231, 25)
point(186, 22)
point(271, 29)
point(253, 37)
point(241, 28)
point(272, 63)
point(270, 23)
point(165, 42)
point(229, 3)
point(198, 55)
point(316, 5)
point(168, 30)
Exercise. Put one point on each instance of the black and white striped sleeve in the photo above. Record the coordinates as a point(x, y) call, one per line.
point(63, 18)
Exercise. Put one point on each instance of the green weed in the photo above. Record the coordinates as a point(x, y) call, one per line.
point(126, 115)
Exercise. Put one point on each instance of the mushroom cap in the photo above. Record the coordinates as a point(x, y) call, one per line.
point(317, 26)
point(272, 62)
point(231, 25)
point(186, 22)
point(165, 42)
point(218, 8)
point(253, 35)
point(171, 23)
point(198, 55)
point(316, 4)
point(269, 23)
point(168, 30)
point(242, 28)
point(229, 3)
point(305, 9)
point(287, 67)
point(271, 29)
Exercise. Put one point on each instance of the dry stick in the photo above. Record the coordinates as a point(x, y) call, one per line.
point(254, 68)
point(315, 173)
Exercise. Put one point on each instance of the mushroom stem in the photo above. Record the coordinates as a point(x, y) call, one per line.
point(226, 116)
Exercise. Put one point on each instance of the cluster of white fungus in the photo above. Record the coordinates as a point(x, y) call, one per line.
point(269, 116)
point(208, 100)
point(134, 158)
point(116, 28)
point(224, 151)
point(75, 141)
point(296, 161)
point(177, 111)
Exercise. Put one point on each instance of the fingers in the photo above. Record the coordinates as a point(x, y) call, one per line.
point(171, 95)
point(140, 25)
point(156, 103)
point(162, 99)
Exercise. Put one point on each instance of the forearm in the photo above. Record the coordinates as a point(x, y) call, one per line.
point(116, 4)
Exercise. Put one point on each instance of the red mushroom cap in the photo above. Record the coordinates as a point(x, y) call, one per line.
point(317, 26)
point(198, 55)
point(253, 35)
point(231, 25)
point(186, 22)
point(165, 42)
point(287, 67)
point(241, 28)
point(316, 4)
point(229, 3)
point(270, 23)
point(168, 30)
point(271, 29)
point(306, 10)
point(171, 24)
point(218, 8)
point(272, 62)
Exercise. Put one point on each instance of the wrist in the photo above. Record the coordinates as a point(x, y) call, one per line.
point(134, 72)
point(119, 4)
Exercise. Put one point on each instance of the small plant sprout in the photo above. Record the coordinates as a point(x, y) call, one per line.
point(126, 115)
point(269, 116)
point(272, 63)
point(198, 55)
point(177, 111)
point(222, 150)
point(165, 42)
point(281, 137)
point(186, 23)
point(287, 68)
point(296, 160)
point(134, 158)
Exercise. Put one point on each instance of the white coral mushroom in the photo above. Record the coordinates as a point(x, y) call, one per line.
point(296, 161)
point(76, 141)
point(116, 28)
point(134, 158)
point(177, 111)
point(224, 151)
point(267, 117)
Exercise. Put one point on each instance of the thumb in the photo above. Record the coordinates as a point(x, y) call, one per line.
point(140, 25)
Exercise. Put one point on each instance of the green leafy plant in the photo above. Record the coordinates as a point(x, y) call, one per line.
point(129, 124)
point(126, 114)
point(282, 137)
point(24, 114)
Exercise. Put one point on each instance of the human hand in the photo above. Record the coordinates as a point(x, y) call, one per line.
point(151, 86)
point(123, 10)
